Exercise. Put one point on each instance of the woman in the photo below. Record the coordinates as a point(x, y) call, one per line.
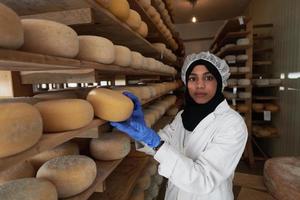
point(199, 151)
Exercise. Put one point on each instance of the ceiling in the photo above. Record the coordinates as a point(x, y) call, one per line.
point(208, 10)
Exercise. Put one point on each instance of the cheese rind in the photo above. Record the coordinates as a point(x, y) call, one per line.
point(50, 38)
point(65, 114)
point(29, 189)
point(21, 128)
point(110, 105)
point(119, 8)
point(70, 174)
point(123, 56)
point(11, 31)
point(95, 48)
point(110, 146)
point(134, 19)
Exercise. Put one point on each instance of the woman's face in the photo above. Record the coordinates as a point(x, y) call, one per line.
point(201, 84)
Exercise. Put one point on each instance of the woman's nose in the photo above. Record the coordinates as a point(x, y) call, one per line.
point(200, 83)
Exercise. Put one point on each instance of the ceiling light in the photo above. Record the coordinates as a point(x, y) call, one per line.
point(194, 19)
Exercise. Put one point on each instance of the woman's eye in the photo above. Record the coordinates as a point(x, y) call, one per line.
point(209, 78)
point(191, 79)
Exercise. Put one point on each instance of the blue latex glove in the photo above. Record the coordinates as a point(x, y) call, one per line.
point(136, 127)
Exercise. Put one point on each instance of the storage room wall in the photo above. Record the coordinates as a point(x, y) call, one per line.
point(286, 57)
point(198, 36)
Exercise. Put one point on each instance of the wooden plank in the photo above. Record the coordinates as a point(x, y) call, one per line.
point(234, 49)
point(48, 141)
point(257, 51)
point(30, 7)
point(262, 63)
point(250, 194)
point(249, 181)
point(13, 60)
point(68, 17)
point(121, 182)
point(59, 76)
point(265, 97)
point(262, 25)
point(104, 169)
point(263, 37)
point(232, 36)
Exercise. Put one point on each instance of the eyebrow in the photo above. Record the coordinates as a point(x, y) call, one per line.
point(194, 74)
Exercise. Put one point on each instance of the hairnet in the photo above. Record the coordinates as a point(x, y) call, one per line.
point(218, 63)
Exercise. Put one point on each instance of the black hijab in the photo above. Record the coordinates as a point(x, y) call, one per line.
point(193, 112)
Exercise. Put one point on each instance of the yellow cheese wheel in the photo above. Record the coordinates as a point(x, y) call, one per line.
point(119, 8)
point(271, 107)
point(145, 3)
point(122, 56)
point(242, 108)
point(134, 19)
point(28, 189)
point(18, 171)
point(50, 38)
point(95, 48)
point(70, 174)
point(136, 60)
point(258, 107)
point(110, 105)
point(65, 114)
point(151, 11)
point(21, 127)
point(110, 146)
point(68, 148)
point(143, 29)
point(11, 31)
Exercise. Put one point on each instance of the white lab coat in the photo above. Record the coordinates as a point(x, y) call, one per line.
point(202, 168)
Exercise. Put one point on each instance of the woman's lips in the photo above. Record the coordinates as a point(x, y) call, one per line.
point(200, 94)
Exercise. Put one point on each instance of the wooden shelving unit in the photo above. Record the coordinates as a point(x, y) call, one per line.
point(229, 33)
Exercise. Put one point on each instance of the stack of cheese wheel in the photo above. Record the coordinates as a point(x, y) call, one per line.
point(136, 60)
point(271, 107)
point(143, 29)
point(233, 69)
point(150, 117)
point(66, 173)
point(21, 128)
point(28, 188)
point(110, 105)
point(65, 114)
point(145, 4)
point(68, 148)
point(95, 48)
point(232, 82)
point(50, 38)
point(56, 95)
point(119, 8)
point(244, 82)
point(11, 32)
point(137, 194)
point(244, 95)
point(110, 146)
point(18, 171)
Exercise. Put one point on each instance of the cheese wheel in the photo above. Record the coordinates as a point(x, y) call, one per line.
point(56, 95)
point(119, 8)
point(244, 69)
point(151, 11)
point(50, 38)
point(233, 69)
point(65, 114)
point(110, 105)
point(143, 29)
point(70, 174)
point(243, 108)
point(123, 56)
point(11, 32)
point(145, 3)
point(244, 82)
point(151, 168)
point(242, 58)
point(244, 95)
point(21, 128)
point(68, 148)
point(110, 146)
point(172, 112)
point(28, 189)
point(258, 107)
point(159, 46)
point(274, 81)
point(18, 171)
point(137, 194)
point(243, 41)
point(136, 60)
point(95, 48)
point(271, 107)
point(134, 19)
point(232, 82)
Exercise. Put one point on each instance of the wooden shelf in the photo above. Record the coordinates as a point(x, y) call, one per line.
point(264, 50)
point(263, 37)
point(270, 136)
point(121, 182)
point(265, 98)
point(233, 50)
point(230, 36)
point(13, 60)
point(48, 141)
point(262, 25)
point(266, 86)
point(239, 73)
point(104, 169)
point(262, 63)
point(240, 86)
